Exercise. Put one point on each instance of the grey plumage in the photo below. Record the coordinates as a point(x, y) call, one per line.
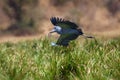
point(68, 30)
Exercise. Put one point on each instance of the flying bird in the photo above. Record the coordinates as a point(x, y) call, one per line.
point(68, 31)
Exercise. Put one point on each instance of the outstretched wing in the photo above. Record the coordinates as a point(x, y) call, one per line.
point(64, 39)
point(63, 23)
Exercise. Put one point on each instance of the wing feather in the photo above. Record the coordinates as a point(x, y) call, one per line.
point(64, 39)
point(63, 23)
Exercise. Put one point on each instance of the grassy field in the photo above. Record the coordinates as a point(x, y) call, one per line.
point(82, 60)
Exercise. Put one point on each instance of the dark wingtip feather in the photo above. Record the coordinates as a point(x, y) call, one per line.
point(55, 20)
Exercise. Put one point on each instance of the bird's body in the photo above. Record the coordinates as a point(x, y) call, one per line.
point(68, 30)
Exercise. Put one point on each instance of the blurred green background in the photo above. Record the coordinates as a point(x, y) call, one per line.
point(36, 59)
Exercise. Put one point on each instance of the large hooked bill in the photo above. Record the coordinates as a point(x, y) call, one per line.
point(52, 31)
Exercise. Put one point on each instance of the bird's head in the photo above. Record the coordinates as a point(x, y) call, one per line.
point(56, 29)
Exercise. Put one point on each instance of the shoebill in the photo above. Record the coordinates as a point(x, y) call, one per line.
point(68, 31)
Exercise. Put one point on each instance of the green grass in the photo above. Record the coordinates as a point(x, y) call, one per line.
point(82, 60)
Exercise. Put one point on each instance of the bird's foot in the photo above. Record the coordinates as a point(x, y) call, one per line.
point(53, 44)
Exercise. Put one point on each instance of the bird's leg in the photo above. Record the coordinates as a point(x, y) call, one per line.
point(87, 36)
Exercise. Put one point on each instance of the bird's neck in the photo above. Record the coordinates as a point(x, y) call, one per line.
point(80, 31)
